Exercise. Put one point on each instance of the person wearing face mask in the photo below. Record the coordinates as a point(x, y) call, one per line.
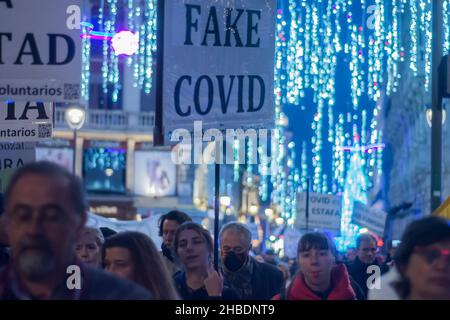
point(251, 279)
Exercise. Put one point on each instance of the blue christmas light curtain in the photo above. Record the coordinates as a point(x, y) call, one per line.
point(336, 61)
point(138, 19)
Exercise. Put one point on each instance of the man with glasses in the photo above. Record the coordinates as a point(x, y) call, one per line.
point(422, 264)
point(366, 256)
point(45, 211)
point(251, 279)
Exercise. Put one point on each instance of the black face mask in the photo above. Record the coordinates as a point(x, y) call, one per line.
point(233, 261)
point(167, 252)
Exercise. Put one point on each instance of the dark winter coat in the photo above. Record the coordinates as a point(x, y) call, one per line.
point(358, 272)
point(200, 294)
point(341, 288)
point(266, 282)
point(96, 284)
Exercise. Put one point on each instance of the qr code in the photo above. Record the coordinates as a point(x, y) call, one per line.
point(71, 91)
point(45, 130)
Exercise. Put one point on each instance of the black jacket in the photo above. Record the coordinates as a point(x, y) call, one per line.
point(358, 272)
point(4, 255)
point(96, 285)
point(267, 281)
point(200, 294)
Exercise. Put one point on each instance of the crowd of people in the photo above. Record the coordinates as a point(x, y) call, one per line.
point(43, 232)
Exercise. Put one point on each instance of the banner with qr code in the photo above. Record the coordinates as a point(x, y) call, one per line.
point(14, 155)
point(25, 121)
point(40, 54)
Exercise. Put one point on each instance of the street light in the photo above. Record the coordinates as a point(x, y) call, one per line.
point(225, 201)
point(75, 118)
point(429, 114)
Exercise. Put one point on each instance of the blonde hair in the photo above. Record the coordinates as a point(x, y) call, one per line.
point(96, 232)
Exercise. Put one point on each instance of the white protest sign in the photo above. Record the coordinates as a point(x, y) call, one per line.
point(218, 64)
point(146, 226)
point(40, 50)
point(291, 238)
point(372, 219)
point(324, 212)
point(25, 121)
point(14, 155)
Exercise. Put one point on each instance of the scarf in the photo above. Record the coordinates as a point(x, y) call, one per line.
point(241, 280)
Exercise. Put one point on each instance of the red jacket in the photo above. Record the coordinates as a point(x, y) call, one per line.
point(342, 289)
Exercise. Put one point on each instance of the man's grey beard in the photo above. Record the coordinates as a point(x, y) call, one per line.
point(35, 265)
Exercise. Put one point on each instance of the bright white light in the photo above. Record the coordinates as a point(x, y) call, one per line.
point(363, 230)
point(75, 118)
point(109, 172)
point(125, 42)
point(225, 201)
point(430, 116)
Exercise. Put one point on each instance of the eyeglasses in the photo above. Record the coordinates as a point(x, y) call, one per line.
point(432, 254)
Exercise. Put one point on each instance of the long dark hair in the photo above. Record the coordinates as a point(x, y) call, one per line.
point(423, 232)
point(176, 215)
point(149, 269)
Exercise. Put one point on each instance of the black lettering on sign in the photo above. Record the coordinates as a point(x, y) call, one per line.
point(262, 93)
point(224, 100)
point(210, 90)
point(252, 27)
point(39, 106)
point(8, 36)
point(231, 28)
point(223, 88)
point(8, 3)
point(40, 109)
point(7, 163)
point(177, 96)
point(29, 47)
point(212, 18)
point(29, 39)
point(52, 60)
point(189, 23)
point(212, 28)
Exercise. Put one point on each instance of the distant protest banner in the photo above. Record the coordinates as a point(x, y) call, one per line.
point(370, 218)
point(14, 155)
point(324, 212)
point(25, 121)
point(40, 50)
point(291, 238)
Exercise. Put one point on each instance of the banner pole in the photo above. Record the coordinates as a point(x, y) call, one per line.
point(218, 151)
point(307, 203)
